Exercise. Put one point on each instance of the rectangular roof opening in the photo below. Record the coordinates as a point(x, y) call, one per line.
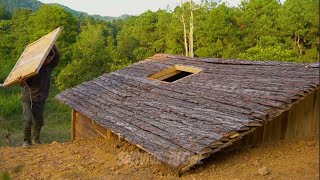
point(174, 73)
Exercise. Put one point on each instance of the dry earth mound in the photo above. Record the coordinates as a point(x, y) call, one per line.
point(98, 159)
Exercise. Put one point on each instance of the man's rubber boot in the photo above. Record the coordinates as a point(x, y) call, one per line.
point(36, 136)
point(36, 141)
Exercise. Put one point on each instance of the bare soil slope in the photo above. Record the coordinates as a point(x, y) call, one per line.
point(98, 159)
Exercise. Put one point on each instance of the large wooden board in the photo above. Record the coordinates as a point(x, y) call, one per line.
point(32, 58)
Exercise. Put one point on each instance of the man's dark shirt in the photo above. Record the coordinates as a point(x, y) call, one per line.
point(39, 85)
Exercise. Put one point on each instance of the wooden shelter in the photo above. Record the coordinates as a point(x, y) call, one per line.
point(182, 110)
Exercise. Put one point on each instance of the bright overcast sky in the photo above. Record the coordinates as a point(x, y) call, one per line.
point(119, 7)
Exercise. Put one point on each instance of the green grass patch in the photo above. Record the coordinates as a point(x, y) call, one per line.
point(5, 176)
point(10, 101)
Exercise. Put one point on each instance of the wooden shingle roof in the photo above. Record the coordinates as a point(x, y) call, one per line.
point(184, 121)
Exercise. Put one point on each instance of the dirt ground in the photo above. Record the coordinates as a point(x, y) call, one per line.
point(98, 159)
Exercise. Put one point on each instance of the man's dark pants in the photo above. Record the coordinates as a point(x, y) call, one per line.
point(32, 116)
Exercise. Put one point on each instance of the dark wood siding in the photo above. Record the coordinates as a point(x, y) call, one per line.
point(85, 128)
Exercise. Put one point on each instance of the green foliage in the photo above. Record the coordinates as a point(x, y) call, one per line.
point(276, 53)
point(6, 47)
point(4, 14)
point(148, 34)
point(10, 114)
point(9, 104)
point(299, 23)
point(90, 57)
point(21, 32)
point(48, 18)
point(216, 33)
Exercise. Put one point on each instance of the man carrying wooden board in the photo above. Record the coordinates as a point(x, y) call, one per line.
point(35, 91)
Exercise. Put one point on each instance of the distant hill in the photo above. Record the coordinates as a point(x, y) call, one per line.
point(78, 13)
point(11, 5)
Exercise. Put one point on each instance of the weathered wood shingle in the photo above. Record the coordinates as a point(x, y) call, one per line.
point(182, 122)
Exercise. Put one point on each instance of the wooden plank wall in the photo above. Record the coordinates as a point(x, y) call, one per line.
point(300, 121)
point(84, 128)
